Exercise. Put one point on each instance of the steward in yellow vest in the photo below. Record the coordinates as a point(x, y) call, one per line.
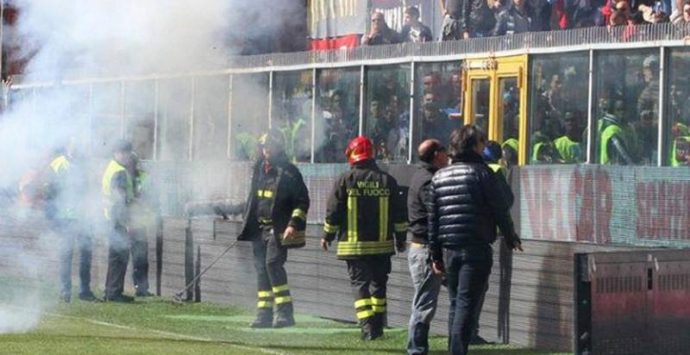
point(117, 186)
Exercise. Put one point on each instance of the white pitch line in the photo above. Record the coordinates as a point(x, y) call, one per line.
point(170, 334)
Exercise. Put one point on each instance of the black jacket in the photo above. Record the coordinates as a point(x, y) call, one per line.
point(465, 205)
point(512, 21)
point(365, 210)
point(477, 17)
point(417, 200)
point(290, 200)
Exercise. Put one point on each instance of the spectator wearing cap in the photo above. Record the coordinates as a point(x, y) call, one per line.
point(380, 33)
point(414, 30)
point(118, 192)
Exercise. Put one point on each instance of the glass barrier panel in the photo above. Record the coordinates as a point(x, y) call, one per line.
point(481, 93)
point(509, 117)
point(626, 107)
point(211, 117)
point(107, 119)
point(438, 101)
point(558, 88)
point(249, 113)
point(174, 115)
point(292, 108)
point(386, 111)
point(337, 113)
point(678, 108)
point(139, 119)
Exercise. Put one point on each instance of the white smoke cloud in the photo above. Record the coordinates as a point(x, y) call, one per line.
point(66, 40)
point(109, 37)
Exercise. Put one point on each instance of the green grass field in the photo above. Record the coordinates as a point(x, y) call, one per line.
point(158, 326)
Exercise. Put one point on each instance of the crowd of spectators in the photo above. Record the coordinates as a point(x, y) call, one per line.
point(465, 19)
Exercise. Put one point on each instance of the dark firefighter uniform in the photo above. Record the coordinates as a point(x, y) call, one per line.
point(118, 193)
point(278, 199)
point(364, 211)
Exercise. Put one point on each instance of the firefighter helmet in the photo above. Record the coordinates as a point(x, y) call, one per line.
point(272, 139)
point(359, 149)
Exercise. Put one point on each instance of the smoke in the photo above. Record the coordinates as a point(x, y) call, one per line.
point(68, 43)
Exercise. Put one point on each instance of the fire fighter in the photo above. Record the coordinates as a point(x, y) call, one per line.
point(365, 210)
point(275, 218)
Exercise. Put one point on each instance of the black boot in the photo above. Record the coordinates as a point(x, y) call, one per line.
point(264, 318)
point(367, 325)
point(377, 325)
point(284, 316)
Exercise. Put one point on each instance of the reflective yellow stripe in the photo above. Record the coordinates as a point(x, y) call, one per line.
point(106, 185)
point(400, 227)
point(346, 248)
point(264, 193)
point(281, 300)
point(298, 213)
point(378, 301)
point(59, 163)
point(383, 218)
point(351, 218)
point(330, 228)
point(365, 314)
point(281, 288)
point(265, 294)
point(363, 302)
point(378, 309)
point(264, 304)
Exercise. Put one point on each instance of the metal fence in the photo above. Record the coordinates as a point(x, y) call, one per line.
point(176, 120)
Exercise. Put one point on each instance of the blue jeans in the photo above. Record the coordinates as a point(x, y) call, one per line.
point(468, 271)
point(70, 234)
point(426, 289)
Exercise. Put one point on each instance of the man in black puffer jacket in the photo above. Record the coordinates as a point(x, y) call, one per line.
point(465, 205)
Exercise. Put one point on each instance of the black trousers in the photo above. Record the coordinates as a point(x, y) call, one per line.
point(271, 277)
point(467, 271)
point(118, 257)
point(140, 260)
point(368, 278)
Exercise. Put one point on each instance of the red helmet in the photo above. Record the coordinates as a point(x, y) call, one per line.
point(359, 149)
